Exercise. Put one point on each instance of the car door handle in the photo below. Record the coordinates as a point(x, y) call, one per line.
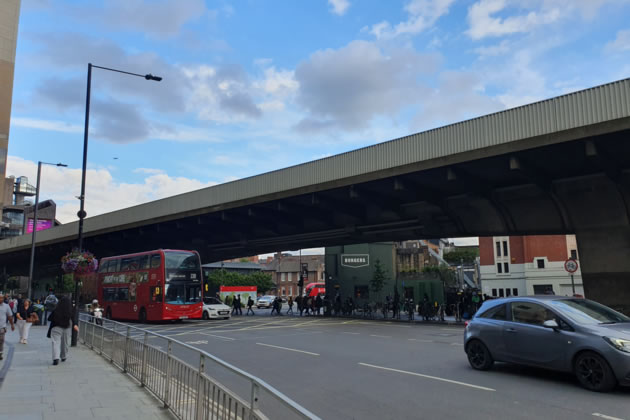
point(511, 330)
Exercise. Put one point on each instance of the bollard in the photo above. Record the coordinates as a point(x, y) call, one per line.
point(200, 393)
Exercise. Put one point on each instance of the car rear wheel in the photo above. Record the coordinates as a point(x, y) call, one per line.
point(205, 315)
point(478, 355)
point(594, 373)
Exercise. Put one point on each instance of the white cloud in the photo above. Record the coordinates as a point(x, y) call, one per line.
point(278, 82)
point(621, 43)
point(48, 125)
point(339, 7)
point(103, 193)
point(484, 23)
point(422, 15)
point(346, 88)
point(502, 48)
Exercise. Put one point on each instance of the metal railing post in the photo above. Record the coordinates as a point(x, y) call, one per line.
point(200, 393)
point(113, 352)
point(102, 339)
point(143, 372)
point(253, 402)
point(125, 357)
point(167, 384)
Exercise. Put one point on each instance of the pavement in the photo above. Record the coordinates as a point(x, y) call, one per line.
point(365, 369)
point(86, 386)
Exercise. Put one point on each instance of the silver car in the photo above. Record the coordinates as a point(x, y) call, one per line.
point(560, 333)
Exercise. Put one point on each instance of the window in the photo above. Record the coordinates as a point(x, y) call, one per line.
point(156, 261)
point(290, 276)
point(506, 267)
point(530, 313)
point(103, 267)
point(284, 292)
point(540, 262)
point(501, 293)
point(498, 248)
point(291, 291)
point(499, 268)
point(181, 260)
point(283, 276)
point(361, 292)
point(508, 292)
point(505, 249)
point(211, 301)
point(494, 292)
point(515, 292)
point(134, 263)
point(113, 266)
point(574, 254)
point(498, 312)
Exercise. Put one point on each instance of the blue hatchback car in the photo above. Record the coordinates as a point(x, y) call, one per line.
point(560, 333)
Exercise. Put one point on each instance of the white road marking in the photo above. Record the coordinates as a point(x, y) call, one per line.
point(197, 342)
point(420, 340)
point(286, 348)
point(381, 336)
point(604, 416)
point(218, 336)
point(456, 344)
point(353, 333)
point(483, 388)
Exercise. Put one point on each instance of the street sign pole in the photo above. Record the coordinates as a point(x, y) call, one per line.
point(571, 266)
point(572, 283)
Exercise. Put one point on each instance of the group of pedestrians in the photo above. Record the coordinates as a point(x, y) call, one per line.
point(20, 312)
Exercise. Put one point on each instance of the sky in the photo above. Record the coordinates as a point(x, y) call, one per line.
point(252, 86)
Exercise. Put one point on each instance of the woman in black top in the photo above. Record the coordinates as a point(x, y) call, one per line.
point(24, 320)
point(61, 324)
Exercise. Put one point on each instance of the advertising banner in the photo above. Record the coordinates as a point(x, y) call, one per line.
point(233, 291)
point(42, 224)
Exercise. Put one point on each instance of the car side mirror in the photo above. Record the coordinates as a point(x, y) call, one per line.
point(551, 323)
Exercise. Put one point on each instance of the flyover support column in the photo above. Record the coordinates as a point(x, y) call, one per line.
point(605, 264)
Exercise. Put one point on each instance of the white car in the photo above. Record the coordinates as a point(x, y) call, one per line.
point(214, 308)
point(265, 301)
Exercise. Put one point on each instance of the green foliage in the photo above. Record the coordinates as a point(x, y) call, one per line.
point(456, 257)
point(379, 278)
point(67, 283)
point(261, 280)
point(444, 272)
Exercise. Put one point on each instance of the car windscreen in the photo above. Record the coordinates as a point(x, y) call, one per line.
point(212, 301)
point(181, 260)
point(583, 311)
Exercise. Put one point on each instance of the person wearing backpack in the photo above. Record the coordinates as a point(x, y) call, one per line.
point(6, 315)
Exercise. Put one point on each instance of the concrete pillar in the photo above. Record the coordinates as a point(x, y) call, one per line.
point(605, 263)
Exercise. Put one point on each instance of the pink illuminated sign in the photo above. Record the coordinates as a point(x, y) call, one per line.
point(41, 225)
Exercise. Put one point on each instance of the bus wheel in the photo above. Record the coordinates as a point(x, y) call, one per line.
point(142, 317)
point(108, 313)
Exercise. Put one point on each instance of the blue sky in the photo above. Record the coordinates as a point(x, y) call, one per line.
point(252, 86)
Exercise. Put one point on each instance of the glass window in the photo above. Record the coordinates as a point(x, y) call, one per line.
point(540, 262)
point(211, 301)
point(505, 249)
point(102, 268)
point(574, 254)
point(530, 313)
point(284, 292)
point(515, 292)
point(109, 294)
point(181, 260)
point(494, 292)
point(113, 266)
point(584, 311)
point(498, 248)
point(361, 292)
point(122, 294)
point(508, 292)
point(498, 312)
point(501, 293)
point(499, 268)
point(291, 291)
point(283, 277)
point(156, 260)
point(182, 294)
point(506, 267)
point(290, 276)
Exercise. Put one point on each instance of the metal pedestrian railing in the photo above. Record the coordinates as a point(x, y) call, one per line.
point(190, 391)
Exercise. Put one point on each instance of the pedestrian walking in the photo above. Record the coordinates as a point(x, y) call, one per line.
point(300, 304)
point(318, 303)
point(6, 315)
point(275, 307)
point(250, 304)
point(61, 325)
point(26, 316)
point(49, 305)
point(290, 303)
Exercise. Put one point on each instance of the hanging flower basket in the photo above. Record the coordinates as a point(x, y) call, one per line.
point(79, 262)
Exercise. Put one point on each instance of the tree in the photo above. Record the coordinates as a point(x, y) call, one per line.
point(444, 272)
point(222, 277)
point(456, 257)
point(379, 278)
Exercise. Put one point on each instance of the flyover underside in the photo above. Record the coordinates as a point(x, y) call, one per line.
point(580, 186)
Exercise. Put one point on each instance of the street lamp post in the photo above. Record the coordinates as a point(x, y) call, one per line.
point(29, 292)
point(81, 213)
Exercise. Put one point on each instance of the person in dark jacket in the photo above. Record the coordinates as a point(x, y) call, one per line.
point(61, 325)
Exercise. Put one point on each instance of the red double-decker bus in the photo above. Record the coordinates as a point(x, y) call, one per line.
point(151, 286)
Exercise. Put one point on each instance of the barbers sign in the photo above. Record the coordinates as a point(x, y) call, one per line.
point(355, 260)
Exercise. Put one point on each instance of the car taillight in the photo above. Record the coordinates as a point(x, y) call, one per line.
point(466, 324)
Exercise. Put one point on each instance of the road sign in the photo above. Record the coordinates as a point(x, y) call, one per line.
point(571, 266)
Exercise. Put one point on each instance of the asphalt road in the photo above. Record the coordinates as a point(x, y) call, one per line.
point(355, 369)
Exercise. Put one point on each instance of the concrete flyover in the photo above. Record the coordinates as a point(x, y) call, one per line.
point(557, 166)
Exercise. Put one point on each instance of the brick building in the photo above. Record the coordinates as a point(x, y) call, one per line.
point(285, 270)
point(527, 265)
